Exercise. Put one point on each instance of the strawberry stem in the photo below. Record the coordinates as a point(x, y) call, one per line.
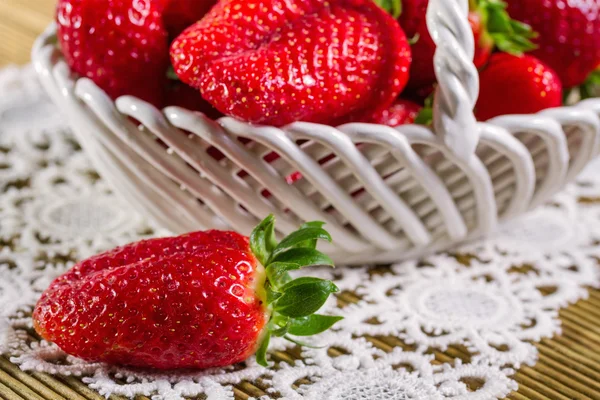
point(292, 302)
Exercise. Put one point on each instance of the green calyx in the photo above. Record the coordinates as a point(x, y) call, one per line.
point(292, 302)
point(591, 87)
point(394, 7)
point(171, 74)
point(425, 116)
point(508, 35)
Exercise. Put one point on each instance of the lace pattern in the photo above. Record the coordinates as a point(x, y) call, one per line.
point(484, 303)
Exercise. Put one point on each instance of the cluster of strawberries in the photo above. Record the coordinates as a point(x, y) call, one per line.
point(274, 62)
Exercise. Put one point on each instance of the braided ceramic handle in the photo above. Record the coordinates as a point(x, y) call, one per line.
point(458, 80)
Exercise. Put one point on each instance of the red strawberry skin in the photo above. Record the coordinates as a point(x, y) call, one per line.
point(400, 113)
point(413, 21)
point(569, 35)
point(274, 62)
point(182, 302)
point(120, 44)
point(516, 85)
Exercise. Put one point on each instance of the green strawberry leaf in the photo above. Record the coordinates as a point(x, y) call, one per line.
point(171, 74)
point(313, 224)
point(312, 324)
point(300, 237)
point(277, 273)
point(303, 256)
point(304, 296)
point(393, 7)
point(292, 302)
point(272, 295)
point(303, 281)
point(311, 243)
point(262, 239)
point(425, 116)
point(280, 331)
point(261, 353)
point(509, 35)
point(591, 87)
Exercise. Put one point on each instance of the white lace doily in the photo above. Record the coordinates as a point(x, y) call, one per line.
point(486, 302)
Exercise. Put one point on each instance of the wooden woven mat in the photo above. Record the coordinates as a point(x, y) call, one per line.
point(568, 367)
point(20, 23)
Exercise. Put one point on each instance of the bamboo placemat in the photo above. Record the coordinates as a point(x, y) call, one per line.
point(568, 366)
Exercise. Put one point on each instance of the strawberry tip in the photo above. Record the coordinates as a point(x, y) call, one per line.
point(293, 303)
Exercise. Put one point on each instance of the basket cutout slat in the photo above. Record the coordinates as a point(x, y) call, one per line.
point(223, 176)
point(267, 176)
point(188, 208)
point(416, 176)
point(175, 167)
point(368, 178)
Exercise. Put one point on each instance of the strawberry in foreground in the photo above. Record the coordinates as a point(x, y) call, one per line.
point(123, 45)
point(491, 27)
point(204, 299)
point(274, 62)
point(569, 35)
point(516, 85)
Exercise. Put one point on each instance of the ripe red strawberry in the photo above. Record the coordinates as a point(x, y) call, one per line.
point(205, 299)
point(119, 44)
point(122, 45)
point(400, 113)
point(569, 39)
point(491, 27)
point(516, 85)
point(274, 62)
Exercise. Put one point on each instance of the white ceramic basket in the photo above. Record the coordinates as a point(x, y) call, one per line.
point(400, 193)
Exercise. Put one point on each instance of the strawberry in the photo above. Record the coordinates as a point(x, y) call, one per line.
point(491, 27)
point(569, 35)
point(119, 44)
point(274, 62)
point(516, 85)
point(122, 45)
point(204, 299)
point(400, 113)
